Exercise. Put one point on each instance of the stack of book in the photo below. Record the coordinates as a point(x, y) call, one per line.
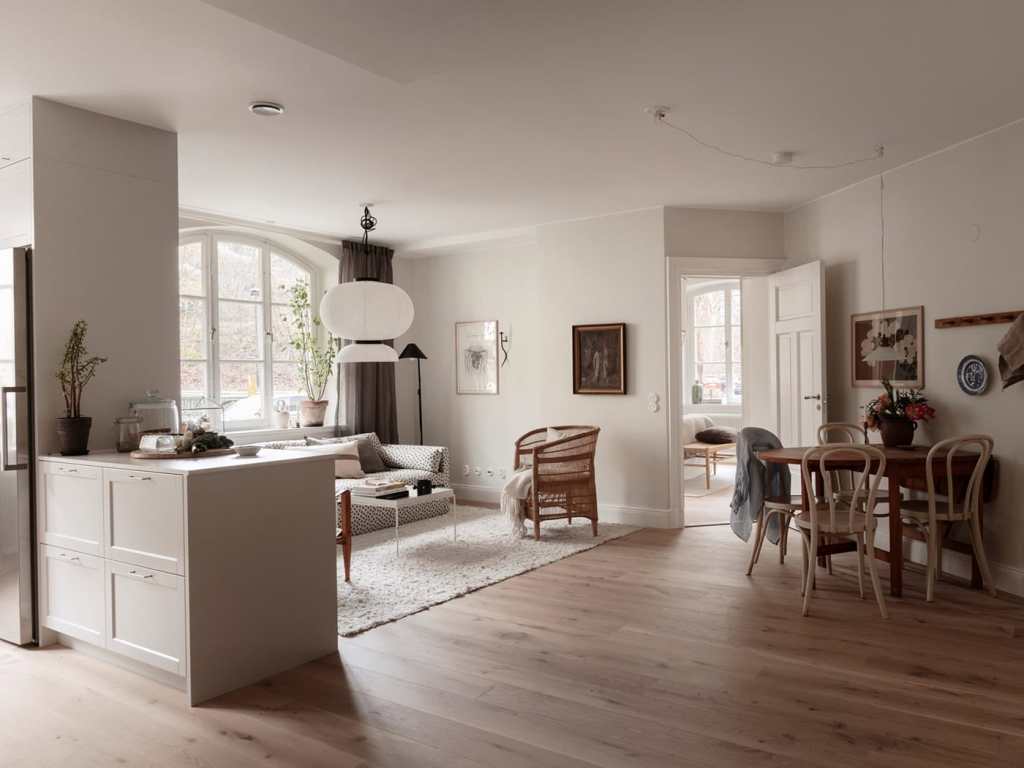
point(380, 489)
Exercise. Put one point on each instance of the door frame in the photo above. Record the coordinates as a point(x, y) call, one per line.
point(676, 268)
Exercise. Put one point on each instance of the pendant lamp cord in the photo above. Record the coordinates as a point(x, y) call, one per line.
point(881, 220)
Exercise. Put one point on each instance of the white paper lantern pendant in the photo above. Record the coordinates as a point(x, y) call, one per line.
point(367, 312)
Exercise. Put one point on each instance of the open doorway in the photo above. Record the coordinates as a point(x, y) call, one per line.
point(723, 385)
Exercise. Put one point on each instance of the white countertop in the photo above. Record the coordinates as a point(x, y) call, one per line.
point(224, 463)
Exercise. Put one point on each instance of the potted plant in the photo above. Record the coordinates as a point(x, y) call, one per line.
point(895, 413)
point(315, 361)
point(76, 370)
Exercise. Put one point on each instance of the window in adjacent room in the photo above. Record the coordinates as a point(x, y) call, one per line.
point(714, 345)
point(234, 294)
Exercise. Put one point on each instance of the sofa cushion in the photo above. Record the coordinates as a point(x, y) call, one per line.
point(424, 457)
point(369, 456)
point(346, 463)
point(717, 435)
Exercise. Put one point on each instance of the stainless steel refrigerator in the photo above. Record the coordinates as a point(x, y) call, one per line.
point(17, 537)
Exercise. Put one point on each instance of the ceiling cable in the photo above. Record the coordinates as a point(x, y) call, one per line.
point(881, 221)
point(660, 115)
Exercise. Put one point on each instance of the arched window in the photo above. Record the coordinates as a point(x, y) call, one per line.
point(714, 353)
point(233, 293)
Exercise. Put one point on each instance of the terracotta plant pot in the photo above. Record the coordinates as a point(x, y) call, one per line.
point(312, 412)
point(73, 435)
point(897, 433)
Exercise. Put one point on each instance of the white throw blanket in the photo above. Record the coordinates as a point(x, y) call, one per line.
point(513, 499)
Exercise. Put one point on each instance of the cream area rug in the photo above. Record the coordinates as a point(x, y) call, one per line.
point(432, 568)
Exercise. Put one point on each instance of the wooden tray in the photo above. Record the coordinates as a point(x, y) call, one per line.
point(207, 455)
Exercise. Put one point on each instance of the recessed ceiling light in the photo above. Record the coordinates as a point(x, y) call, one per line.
point(266, 108)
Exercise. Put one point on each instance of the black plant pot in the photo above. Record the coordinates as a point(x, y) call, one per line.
point(73, 435)
point(896, 432)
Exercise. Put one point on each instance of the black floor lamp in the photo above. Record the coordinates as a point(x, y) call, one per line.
point(411, 351)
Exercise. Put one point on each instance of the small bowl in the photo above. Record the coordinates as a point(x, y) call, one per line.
point(247, 451)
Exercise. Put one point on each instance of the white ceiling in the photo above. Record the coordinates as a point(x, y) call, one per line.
point(463, 116)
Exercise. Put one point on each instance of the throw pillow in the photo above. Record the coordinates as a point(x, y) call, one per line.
point(346, 463)
point(717, 435)
point(369, 455)
point(554, 434)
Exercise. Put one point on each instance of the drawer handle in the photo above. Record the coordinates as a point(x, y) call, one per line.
point(73, 559)
point(143, 575)
point(139, 477)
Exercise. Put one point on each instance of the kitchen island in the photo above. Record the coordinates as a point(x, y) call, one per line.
point(209, 574)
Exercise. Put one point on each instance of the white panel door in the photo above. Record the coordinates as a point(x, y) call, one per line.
point(71, 507)
point(797, 332)
point(146, 616)
point(71, 593)
point(144, 519)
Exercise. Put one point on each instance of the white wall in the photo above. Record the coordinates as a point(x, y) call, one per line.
point(757, 399)
point(610, 269)
point(105, 210)
point(695, 233)
point(953, 227)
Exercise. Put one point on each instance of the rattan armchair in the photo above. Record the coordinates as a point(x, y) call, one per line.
point(563, 474)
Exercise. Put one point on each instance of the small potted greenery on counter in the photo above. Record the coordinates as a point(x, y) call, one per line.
point(76, 370)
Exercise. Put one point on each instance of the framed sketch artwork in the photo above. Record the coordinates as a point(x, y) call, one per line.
point(476, 358)
point(888, 345)
point(599, 359)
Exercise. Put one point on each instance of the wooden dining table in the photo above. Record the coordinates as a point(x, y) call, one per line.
point(904, 468)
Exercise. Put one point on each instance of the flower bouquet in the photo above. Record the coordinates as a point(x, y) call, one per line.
point(895, 413)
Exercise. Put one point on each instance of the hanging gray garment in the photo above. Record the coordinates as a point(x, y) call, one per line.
point(756, 481)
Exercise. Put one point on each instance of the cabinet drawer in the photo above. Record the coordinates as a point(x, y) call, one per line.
point(146, 616)
point(71, 507)
point(144, 519)
point(71, 593)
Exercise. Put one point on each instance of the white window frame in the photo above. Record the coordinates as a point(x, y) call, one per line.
point(731, 405)
point(209, 240)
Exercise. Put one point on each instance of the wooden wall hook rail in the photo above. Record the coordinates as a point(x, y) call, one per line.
point(993, 318)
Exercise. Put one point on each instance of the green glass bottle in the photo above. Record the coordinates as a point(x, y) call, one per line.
point(697, 393)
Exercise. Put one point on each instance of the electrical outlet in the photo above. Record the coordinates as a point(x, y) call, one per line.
point(465, 470)
point(476, 471)
point(490, 472)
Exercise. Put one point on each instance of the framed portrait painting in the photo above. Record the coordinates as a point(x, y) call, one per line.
point(888, 345)
point(599, 359)
point(476, 357)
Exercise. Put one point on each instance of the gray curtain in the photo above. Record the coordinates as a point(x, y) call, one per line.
point(370, 394)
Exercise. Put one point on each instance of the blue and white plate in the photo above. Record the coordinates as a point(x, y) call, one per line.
point(972, 375)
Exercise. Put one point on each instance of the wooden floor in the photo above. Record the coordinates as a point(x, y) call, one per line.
point(652, 650)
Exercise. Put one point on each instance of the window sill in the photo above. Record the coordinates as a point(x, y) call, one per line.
point(713, 408)
point(249, 436)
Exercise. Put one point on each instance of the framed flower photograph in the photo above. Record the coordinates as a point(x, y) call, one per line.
point(888, 345)
point(476, 358)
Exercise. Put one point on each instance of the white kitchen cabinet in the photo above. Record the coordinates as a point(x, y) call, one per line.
point(71, 593)
point(212, 574)
point(146, 615)
point(70, 503)
point(144, 519)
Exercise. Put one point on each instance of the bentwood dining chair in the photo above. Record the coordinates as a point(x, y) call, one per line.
point(934, 516)
point(834, 516)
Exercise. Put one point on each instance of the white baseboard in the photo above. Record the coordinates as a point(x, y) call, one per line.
point(1008, 578)
point(641, 517)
